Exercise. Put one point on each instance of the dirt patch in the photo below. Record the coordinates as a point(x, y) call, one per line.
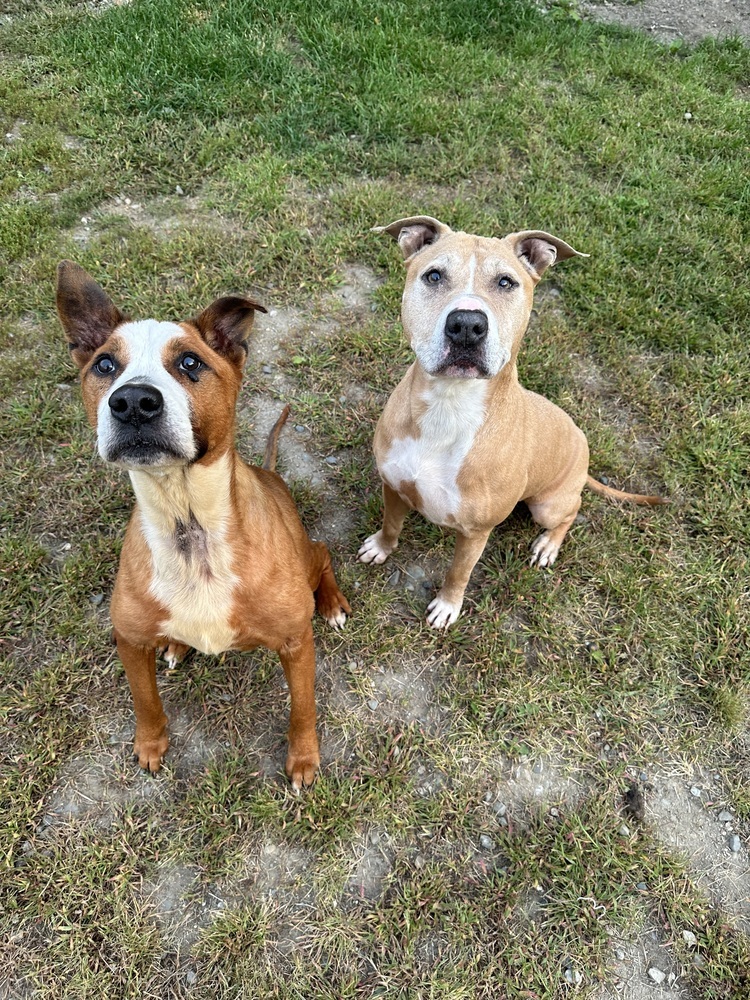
point(691, 819)
point(637, 969)
point(372, 862)
point(672, 20)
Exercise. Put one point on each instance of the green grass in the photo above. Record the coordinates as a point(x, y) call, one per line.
point(291, 128)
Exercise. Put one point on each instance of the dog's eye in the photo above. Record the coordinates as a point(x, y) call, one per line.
point(432, 277)
point(104, 365)
point(505, 282)
point(190, 364)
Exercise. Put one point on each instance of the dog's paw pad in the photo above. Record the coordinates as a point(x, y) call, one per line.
point(544, 551)
point(374, 550)
point(442, 613)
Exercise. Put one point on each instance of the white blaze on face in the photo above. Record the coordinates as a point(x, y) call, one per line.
point(145, 342)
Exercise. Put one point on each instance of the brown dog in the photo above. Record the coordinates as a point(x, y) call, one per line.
point(215, 556)
point(460, 440)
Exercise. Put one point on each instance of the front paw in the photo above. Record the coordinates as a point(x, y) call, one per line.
point(302, 768)
point(441, 612)
point(149, 750)
point(375, 550)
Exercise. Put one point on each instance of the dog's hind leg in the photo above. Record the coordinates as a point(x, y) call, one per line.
point(329, 600)
point(555, 515)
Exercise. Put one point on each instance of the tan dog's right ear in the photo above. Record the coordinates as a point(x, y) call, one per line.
point(86, 311)
point(414, 233)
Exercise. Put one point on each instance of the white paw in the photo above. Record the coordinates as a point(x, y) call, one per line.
point(442, 613)
point(374, 550)
point(338, 620)
point(544, 551)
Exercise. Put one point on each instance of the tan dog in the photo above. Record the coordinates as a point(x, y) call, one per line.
point(215, 556)
point(460, 440)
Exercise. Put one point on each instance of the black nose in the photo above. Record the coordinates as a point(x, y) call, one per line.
point(136, 404)
point(466, 327)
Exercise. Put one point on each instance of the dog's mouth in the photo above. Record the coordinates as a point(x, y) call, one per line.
point(462, 364)
point(140, 450)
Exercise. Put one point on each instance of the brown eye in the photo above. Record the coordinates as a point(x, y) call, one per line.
point(432, 277)
point(190, 364)
point(104, 365)
point(505, 282)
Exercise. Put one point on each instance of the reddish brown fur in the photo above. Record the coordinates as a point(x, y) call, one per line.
point(280, 573)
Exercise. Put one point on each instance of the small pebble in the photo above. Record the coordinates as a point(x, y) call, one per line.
point(96, 599)
point(499, 809)
point(573, 976)
point(725, 816)
point(538, 767)
point(554, 812)
point(641, 886)
point(267, 369)
point(373, 703)
point(351, 665)
point(394, 577)
point(735, 843)
point(624, 830)
point(656, 975)
point(687, 116)
point(374, 837)
point(619, 955)
point(695, 791)
point(690, 939)
point(643, 775)
point(332, 460)
point(342, 399)
point(699, 961)
point(486, 843)
point(192, 976)
point(299, 428)
point(488, 796)
point(178, 190)
point(604, 480)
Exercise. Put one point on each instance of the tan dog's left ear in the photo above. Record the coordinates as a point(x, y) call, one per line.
point(414, 233)
point(538, 250)
point(225, 325)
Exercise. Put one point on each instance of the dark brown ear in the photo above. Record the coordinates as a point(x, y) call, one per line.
point(85, 310)
point(225, 325)
point(414, 233)
point(538, 250)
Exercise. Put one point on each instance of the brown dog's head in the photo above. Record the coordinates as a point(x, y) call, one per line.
point(157, 393)
point(467, 298)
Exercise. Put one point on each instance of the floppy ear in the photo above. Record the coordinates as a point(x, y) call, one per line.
point(225, 325)
point(85, 310)
point(538, 250)
point(414, 233)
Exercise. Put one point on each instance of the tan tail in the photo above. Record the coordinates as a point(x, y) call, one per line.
point(272, 445)
point(607, 491)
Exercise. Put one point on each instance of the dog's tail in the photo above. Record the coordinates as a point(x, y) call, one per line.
point(607, 491)
point(272, 445)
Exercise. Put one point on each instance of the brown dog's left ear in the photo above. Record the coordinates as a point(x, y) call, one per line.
point(414, 233)
point(225, 325)
point(538, 250)
point(86, 311)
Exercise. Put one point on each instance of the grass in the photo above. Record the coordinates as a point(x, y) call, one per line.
point(291, 129)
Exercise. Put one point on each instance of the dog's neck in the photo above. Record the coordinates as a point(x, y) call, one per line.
point(177, 500)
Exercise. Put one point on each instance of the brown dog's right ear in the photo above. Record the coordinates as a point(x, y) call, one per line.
point(414, 233)
point(85, 310)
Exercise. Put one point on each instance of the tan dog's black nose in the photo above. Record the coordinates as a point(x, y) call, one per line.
point(466, 327)
point(136, 404)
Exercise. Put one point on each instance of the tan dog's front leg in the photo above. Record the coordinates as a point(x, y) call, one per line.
point(151, 740)
point(303, 758)
point(379, 546)
point(446, 607)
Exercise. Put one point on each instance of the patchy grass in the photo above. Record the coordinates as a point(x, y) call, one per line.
point(464, 839)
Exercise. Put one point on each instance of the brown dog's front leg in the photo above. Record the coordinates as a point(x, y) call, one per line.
point(151, 740)
point(446, 607)
point(303, 758)
point(379, 546)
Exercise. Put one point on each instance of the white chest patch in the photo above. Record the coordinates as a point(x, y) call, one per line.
point(183, 520)
point(455, 412)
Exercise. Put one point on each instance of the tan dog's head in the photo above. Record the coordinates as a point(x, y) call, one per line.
point(158, 394)
point(467, 299)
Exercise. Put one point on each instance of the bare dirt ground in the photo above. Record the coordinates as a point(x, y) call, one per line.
point(672, 20)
